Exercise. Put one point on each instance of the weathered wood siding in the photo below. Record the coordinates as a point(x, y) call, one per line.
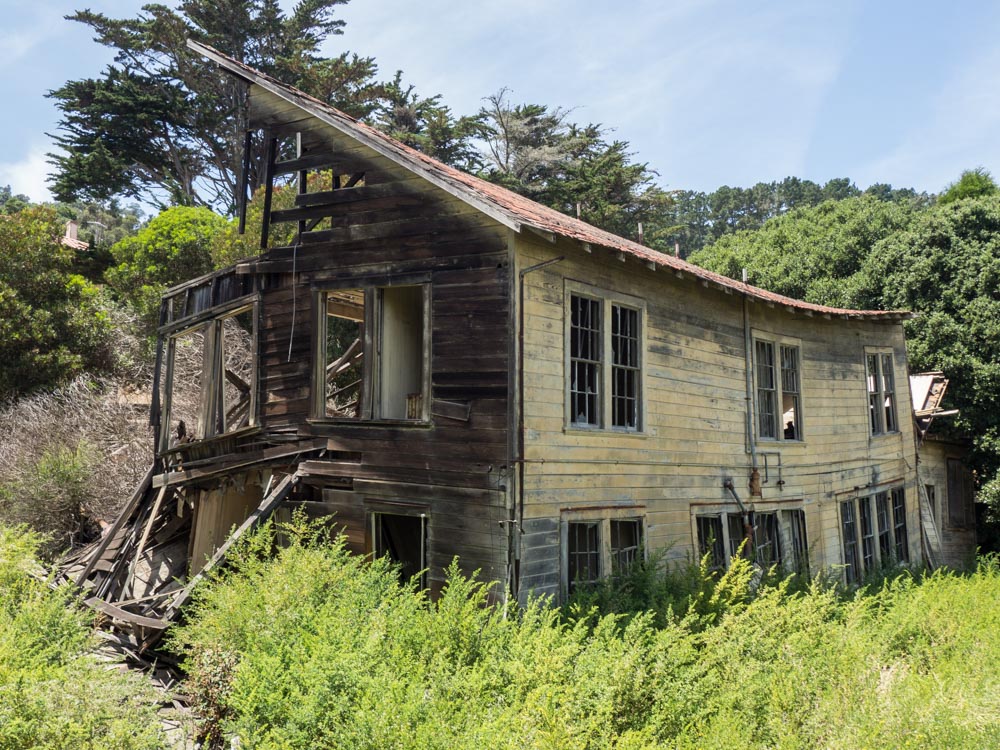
point(958, 543)
point(693, 405)
point(397, 230)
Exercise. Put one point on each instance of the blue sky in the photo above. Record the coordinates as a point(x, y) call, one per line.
point(708, 93)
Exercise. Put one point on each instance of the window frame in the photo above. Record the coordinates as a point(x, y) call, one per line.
point(602, 519)
point(211, 324)
point(371, 346)
point(883, 420)
point(607, 368)
point(789, 522)
point(778, 344)
point(889, 531)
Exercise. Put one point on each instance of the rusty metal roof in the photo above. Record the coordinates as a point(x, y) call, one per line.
point(513, 210)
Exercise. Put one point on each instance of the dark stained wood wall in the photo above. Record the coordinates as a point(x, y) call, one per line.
point(399, 230)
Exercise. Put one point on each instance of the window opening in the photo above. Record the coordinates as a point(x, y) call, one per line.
point(850, 531)
point(899, 517)
point(625, 367)
point(585, 361)
point(881, 394)
point(710, 540)
point(374, 353)
point(932, 500)
point(766, 391)
point(185, 385)
point(800, 547)
point(867, 533)
point(583, 553)
point(626, 541)
point(235, 403)
point(767, 545)
point(403, 539)
point(884, 526)
point(790, 392)
point(400, 345)
point(344, 337)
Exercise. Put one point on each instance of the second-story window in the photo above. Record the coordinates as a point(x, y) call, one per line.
point(604, 363)
point(881, 393)
point(779, 401)
point(372, 353)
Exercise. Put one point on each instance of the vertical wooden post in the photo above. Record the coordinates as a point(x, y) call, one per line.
point(244, 179)
point(272, 153)
point(303, 186)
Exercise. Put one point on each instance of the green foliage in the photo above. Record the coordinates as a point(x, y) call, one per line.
point(53, 693)
point(817, 254)
point(174, 247)
point(53, 324)
point(315, 648)
point(535, 151)
point(704, 218)
point(973, 183)
point(50, 495)
point(140, 131)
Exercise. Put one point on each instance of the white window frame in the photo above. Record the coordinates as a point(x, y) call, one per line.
point(875, 389)
point(777, 343)
point(603, 519)
point(791, 558)
point(606, 366)
point(884, 526)
point(372, 346)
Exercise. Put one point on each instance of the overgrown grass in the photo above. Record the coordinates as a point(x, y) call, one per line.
point(314, 648)
point(53, 693)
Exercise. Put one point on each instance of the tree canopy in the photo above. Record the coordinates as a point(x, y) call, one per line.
point(162, 126)
point(53, 323)
point(942, 262)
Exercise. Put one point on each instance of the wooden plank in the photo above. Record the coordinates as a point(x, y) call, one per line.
point(111, 533)
point(451, 409)
point(116, 613)
point(271, 501)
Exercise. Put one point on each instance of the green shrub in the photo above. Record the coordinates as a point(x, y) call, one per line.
point(315, 648)
point(53, 693)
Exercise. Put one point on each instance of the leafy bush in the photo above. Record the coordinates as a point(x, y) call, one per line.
point(53, 693)
point(315, 648)
point(173, 247)
point(53, 324)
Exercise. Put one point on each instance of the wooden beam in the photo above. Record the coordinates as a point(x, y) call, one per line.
point(267, 506)
point(272, 154)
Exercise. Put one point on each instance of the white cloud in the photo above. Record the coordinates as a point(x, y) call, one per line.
point(28, 175)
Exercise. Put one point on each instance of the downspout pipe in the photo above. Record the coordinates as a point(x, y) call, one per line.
point(751, 446)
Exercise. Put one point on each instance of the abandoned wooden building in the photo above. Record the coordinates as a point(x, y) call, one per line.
point(453, 370)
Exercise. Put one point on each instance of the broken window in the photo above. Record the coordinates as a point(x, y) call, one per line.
point(594, 547)
point(626, 541)
point(209, 380)
point(711, 541)
point(882, 534)
point(373, 349)
point(776, 369)
point(852, 566)
point(624, 367)
point(604, 346)
point(931, 491)
point(902, 549)
point(760, 536)
point(881, 393)
point(403, 539)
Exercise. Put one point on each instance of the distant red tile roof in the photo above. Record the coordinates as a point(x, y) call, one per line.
point(511, 209)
